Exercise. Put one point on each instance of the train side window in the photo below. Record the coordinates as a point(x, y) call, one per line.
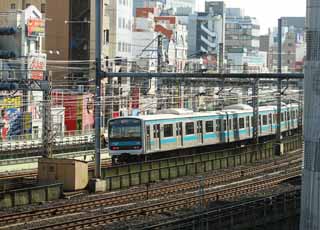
point(248, 122)
point(168, 130)
point(282, 117)
point(209, 126)
point(241, 123)
point(288, 116)
point(270, 118)
point(218, 125)
point(264, 120)
point(230, 124)
point(189, 128)
point(235, 123)
point(225, 125)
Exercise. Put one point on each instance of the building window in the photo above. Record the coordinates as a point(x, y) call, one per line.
point(209, 126)
point(106, 36)
point(168, 130)
point(13, 6)
point(43, 8)
point(189, 128)
point(119, 47)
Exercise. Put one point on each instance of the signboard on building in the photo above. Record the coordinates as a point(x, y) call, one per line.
point(135, 95)
point(37, 65)
point(36, 28)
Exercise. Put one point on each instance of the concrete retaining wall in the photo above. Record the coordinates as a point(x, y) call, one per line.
point(30, 195)
point(147, 172)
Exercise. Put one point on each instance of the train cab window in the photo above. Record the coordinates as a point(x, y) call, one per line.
point(248, 122)
point(189, 128)
point(241, 123)
point(218, 125)
point(209, 126)
point(168, 130)
point(264, 119)
point(270, 118)
point(235, 123)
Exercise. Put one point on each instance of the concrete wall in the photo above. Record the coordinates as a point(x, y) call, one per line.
point(135, 174)
point(32, 195)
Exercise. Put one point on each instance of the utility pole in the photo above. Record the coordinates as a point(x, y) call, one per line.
point(46, 123)
point(279, 81)
point(159, 54)
point(255, 105)
point(97, 105)
point(159, 70)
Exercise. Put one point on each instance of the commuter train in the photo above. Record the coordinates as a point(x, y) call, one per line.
point(179, 129)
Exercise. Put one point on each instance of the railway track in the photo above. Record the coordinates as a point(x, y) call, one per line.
point(175, 204)
point(151, 193)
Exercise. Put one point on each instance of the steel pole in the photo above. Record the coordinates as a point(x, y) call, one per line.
point(310, 215)
point(279, 86)
point(97, 108)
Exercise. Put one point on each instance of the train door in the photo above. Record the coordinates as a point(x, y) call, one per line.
point(156, 136)
point(200, 132)
point(179, 134)
point(148, 138)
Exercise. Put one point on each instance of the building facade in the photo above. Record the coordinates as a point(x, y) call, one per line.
point(71, 37)
point(293, 45)
point(21, 33)
point(206, 35)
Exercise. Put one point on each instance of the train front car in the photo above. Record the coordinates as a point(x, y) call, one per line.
point(125, 139)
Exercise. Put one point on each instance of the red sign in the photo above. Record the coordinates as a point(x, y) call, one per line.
point(115, 114)
point(36, 28)
point(36, 66)
point(135, 96)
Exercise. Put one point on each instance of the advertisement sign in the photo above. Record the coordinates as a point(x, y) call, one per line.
point(27, 123)
point(10, 102)
point(135, 95)
point(36, 66)
point(36, 28)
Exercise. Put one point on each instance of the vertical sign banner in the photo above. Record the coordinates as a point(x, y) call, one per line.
point(37, 64)
point(135, 96)
point(36, 28)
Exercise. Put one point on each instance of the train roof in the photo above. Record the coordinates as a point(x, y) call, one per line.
point(184, 113)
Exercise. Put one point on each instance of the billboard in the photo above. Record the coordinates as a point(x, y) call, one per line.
point(37, 64)
point(36, 28)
